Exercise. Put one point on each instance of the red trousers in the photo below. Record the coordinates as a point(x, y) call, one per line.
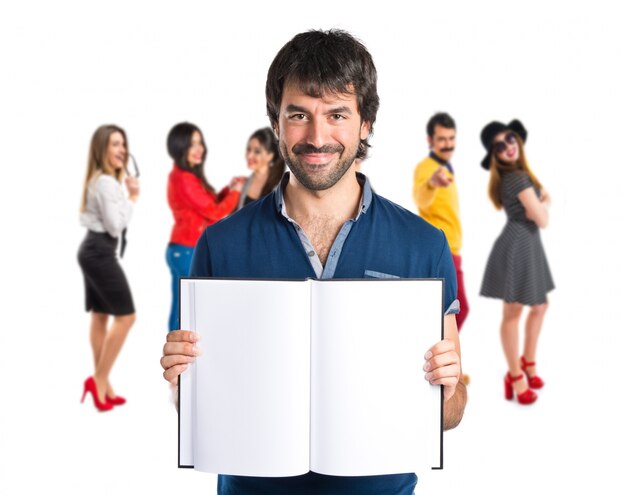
point(460, 317)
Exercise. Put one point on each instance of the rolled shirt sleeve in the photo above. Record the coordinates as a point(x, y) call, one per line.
point(115, 208)
point(447, 271)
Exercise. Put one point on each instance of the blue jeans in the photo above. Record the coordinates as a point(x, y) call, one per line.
point(179, 260)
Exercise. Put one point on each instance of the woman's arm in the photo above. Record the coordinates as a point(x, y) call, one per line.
point(114, 207)
point(535, 209)
point(206, 204)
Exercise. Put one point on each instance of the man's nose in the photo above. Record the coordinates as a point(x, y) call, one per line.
point(317, 133)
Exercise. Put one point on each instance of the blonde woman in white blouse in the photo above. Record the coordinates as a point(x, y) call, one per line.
point(106, 211)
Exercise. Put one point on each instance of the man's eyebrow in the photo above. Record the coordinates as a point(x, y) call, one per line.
point(343, 109)
point(295, 108)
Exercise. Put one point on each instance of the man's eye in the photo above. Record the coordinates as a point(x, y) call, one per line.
point(338, 116)
point(297, 116)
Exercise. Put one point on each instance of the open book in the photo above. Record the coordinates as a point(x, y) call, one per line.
point(310, 375)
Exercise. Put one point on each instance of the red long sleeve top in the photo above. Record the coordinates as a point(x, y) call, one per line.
point(193, 207)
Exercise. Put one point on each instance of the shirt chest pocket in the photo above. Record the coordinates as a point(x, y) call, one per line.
point(375, 274)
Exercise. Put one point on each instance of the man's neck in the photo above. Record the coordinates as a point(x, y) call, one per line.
point(339, 201)
point(441, 161)
point(437, 158)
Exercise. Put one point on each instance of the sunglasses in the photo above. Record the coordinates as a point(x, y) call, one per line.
point(500, 146)
point(135, 167)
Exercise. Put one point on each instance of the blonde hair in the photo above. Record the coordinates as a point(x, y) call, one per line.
point(497, 168)
point(97, 160)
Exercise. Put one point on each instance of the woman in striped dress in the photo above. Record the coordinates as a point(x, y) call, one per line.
point(517, 270)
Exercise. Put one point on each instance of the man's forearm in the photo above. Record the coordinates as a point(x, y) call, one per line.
point(454, 407)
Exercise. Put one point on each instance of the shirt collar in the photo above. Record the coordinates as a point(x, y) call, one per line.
point(366, 194)
point(446, 164)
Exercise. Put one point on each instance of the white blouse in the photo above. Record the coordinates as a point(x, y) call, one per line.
point(108, 209)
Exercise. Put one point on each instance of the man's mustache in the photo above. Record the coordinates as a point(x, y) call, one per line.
point(306, 149)
point(446, 150)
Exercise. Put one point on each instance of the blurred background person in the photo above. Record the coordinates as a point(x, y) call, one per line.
point(194, 202)
point(436, 195)
point(266, 164)
point(517, 269)
point(437, 198)
point(105, 212)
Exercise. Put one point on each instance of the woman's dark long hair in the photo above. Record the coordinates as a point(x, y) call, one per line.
point(178, 144)
point(266, 138)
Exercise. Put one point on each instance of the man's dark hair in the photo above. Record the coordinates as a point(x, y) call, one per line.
point(442, 119)
point(321, 62)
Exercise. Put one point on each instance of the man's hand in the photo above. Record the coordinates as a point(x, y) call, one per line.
point(440, 178)
point(180, 349)
point(443, 366)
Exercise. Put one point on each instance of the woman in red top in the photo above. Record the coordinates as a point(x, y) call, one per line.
point(193, 201)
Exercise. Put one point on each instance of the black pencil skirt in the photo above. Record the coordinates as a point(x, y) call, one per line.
point(106, 288)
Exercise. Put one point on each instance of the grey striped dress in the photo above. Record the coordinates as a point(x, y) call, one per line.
point(517, 268)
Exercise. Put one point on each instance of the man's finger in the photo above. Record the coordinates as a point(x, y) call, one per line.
point(441, 360)
point(171, 361)
point(446, 375)
point(445, 345)
point(181, 348)
point(171, 374)
point(183, 336)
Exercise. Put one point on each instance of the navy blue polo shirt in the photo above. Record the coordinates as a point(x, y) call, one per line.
point(383, 240)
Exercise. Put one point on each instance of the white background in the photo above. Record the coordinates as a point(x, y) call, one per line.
point(68, 67)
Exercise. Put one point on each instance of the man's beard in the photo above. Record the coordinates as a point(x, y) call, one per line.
point(313, 183)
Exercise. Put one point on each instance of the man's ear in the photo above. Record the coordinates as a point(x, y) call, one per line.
point(365, 129)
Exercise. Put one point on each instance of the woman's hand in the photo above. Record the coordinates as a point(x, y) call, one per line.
point(545, 198)
point(236, 183)
point(132, 185)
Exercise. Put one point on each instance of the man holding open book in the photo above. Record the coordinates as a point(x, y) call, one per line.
point(324, 221)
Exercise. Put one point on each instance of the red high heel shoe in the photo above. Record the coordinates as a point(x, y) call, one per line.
point(90, 386)
point(525, 398)
point(115, 401)
point(533, 381)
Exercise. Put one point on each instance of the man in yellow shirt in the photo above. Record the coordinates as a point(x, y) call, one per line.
point(436, 196)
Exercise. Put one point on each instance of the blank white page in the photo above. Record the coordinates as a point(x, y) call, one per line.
point(185, 398)
point(372, 410)
point(252, 379)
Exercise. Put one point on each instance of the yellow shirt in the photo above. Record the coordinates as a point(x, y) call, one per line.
point(439, 205)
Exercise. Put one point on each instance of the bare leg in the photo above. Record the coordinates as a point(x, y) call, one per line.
point(110, 349)
point(97, 334)
point(534, 321)
point(509, 334)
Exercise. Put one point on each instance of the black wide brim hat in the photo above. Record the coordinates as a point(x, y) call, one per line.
point(491, 130)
